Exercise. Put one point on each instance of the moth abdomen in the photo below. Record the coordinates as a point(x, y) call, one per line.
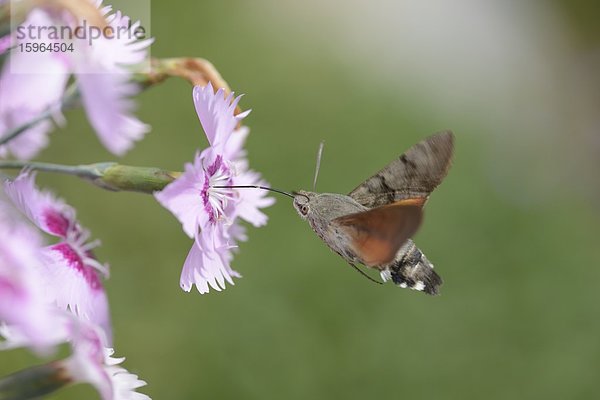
point(411, 269)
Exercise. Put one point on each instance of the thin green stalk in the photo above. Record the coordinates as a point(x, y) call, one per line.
point(82, 171)
point(107, 175)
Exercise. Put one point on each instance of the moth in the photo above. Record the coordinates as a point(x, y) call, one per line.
point(374, 223)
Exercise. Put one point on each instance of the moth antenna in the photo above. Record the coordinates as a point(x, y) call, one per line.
point(319, 155)
point(253, 187)
point(365, 275)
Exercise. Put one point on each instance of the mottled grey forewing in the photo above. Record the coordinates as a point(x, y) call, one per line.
point(412, 175)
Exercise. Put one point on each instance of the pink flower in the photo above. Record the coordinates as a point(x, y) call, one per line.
point(23, 307)
point(70, 271)
point(24, 96)
point(32, 83)
point(103, 78)
point(92, 362)
point(207, 213)
point(207, 263)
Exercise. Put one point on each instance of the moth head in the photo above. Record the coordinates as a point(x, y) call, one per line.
point(302, 201)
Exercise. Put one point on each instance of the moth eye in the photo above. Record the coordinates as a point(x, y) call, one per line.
point(304, 210)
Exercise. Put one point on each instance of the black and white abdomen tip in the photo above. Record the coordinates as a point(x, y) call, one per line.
point(412, 269)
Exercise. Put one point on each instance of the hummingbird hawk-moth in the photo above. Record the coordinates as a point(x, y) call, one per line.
point(374, 223)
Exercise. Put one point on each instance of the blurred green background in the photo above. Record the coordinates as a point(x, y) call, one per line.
point(513, 230)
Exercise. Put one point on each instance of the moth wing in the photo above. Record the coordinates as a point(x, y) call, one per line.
point(376, 235)
point(415, 174)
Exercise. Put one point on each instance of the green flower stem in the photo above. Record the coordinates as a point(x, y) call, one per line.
point(107, 175)
point(135, 179)
point(69, 100)
point(34, 382)
point(82, 171)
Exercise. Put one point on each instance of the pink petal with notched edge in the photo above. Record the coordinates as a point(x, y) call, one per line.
point(234, 149)
point(216, 113)
point(183, 197)
point(86, 363)
point(236, 232)
point(74, 285)
point(116, 54)
point(92, 362)
point(23, 306)
point(46, 211)
point(104, 81)
point(107, 103)
point(251, 201)
point(207, 264)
